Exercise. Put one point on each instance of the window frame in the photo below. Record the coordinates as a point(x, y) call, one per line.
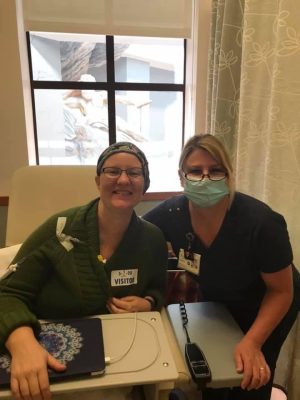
point(111, 87)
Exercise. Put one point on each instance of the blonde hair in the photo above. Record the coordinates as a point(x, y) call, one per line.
point(216, 149)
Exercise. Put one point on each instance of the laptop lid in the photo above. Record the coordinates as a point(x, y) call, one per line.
point(77, 343)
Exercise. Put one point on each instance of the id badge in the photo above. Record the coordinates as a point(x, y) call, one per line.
point(189, 261)
point(124, 277)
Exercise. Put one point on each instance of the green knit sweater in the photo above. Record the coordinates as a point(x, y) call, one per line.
point(53, 282)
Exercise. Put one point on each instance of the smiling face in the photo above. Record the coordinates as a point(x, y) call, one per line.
point(120, 192)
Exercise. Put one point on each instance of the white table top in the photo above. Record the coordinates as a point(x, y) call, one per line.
point(148, 361)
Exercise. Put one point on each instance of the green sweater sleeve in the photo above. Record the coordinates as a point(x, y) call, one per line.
point(158, 258)
point(18, 290)
point(43, 233)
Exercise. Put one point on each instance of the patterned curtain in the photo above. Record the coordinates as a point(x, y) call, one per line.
point(254, 108)
point(254, 99)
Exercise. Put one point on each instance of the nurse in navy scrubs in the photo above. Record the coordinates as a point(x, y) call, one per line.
point(241, 257)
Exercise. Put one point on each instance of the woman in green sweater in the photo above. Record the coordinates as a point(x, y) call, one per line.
point(87, 260)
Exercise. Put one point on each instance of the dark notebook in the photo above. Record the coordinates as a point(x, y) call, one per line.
point(76, 343)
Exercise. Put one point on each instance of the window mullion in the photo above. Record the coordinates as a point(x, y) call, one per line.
point(111, 105)
point(35, 135)
point(184, 93)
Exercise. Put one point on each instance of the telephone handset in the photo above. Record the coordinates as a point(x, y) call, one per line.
point(195, 358)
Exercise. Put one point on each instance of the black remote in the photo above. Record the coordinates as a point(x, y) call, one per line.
point(197, 364)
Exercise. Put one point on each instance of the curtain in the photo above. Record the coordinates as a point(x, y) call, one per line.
point(254, 99)
point(225, 70)
point(161, 18)
point(254, 108)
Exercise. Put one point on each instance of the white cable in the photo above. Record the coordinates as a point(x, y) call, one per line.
point(150, 363)
point(118, 358)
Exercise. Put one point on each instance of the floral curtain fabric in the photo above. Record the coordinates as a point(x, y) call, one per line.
point(254, 108)
point(254, 99)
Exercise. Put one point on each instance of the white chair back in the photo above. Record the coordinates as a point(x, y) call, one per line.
point(37, 192)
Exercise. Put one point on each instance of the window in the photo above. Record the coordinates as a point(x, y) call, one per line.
point(92, 90)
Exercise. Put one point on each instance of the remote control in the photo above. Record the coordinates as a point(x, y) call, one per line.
point(197, 364)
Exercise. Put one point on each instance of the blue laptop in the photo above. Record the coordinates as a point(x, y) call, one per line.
point(77, 343)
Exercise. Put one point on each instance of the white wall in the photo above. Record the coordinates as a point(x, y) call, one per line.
point(13, 139)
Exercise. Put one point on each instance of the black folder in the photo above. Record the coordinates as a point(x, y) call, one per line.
point(77, 343)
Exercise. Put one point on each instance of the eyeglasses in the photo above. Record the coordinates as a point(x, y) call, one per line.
point(214, 174)
point(115, 172)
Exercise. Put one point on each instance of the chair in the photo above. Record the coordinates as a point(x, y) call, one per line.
point(37, 192)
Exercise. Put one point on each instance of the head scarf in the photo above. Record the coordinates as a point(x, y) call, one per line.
point(125, 147)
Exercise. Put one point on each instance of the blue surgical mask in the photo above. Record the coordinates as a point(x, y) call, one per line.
point(205, 193)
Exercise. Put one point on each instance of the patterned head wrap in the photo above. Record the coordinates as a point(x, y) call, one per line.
point(125, 147)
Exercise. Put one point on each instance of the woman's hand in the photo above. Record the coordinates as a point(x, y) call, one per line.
point(128, 304)
point(248, 355)
point(250, 361)
point(30, 361)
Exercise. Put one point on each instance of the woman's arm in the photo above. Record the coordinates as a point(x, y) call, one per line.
point(36, 238)
point(29, 364)
point(276, 302)
point(18, 290)
point(157, 269)
point(18, 293)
